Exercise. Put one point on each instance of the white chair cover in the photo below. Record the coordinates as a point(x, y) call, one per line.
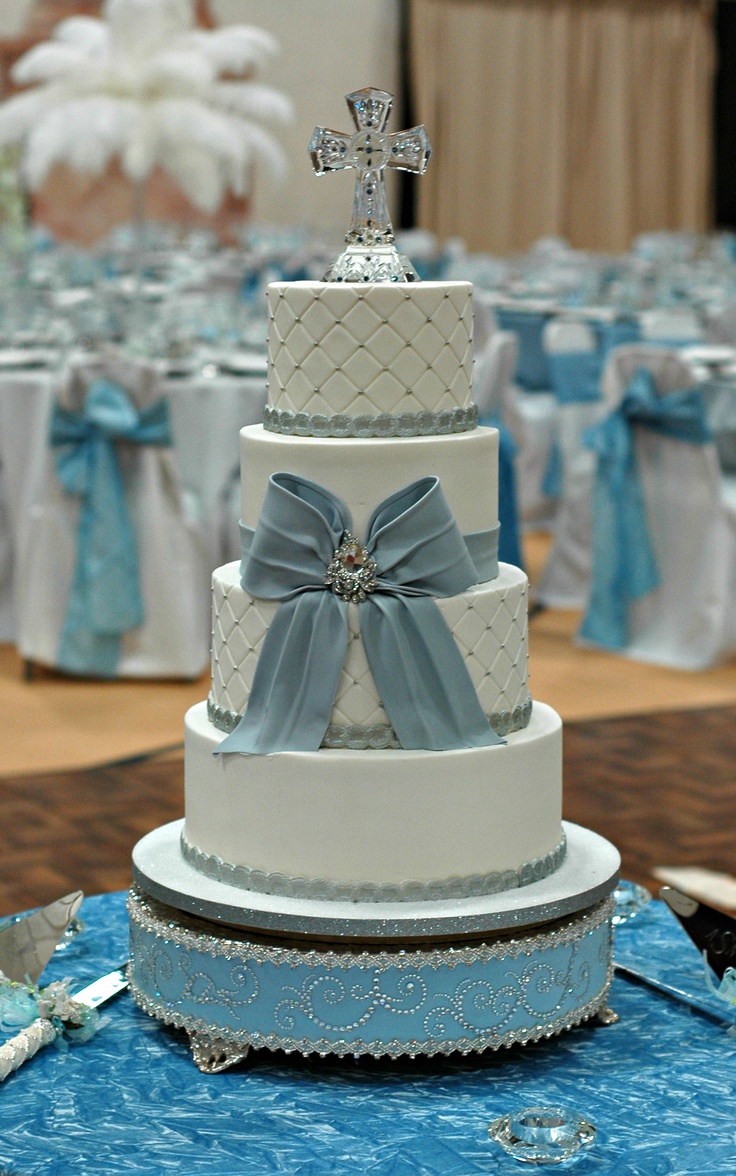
point(493, 373)
point(174, 567)
point(565, 579)
point(670, 325)
point(689, 620)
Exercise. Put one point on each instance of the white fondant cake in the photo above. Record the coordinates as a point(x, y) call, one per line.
point(377, 823)
point(488, 623)
point(386, 348)
point(362, 472)
point(369, 776)
point(361, 816)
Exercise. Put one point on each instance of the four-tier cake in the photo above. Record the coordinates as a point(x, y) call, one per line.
point(373, 857)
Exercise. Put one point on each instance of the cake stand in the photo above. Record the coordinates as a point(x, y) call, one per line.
point(239, 969)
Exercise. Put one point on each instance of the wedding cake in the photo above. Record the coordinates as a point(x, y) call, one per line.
point(369, 767)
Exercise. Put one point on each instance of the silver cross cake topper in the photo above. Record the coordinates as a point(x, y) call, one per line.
point(371, 255)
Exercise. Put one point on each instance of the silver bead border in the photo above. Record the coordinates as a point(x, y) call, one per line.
point(174, 927)
point(471, 886)
point(378, 737)
point(385, 424)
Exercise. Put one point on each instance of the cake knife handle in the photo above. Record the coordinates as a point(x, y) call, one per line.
point(25, 1044)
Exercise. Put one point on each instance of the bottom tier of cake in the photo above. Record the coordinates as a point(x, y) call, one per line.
point(417, 978)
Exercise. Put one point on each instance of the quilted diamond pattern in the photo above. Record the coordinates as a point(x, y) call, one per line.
point(384, 349)
point(489, 624)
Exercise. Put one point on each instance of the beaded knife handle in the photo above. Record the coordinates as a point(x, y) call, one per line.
point(65, 1013)
point(25, 1044)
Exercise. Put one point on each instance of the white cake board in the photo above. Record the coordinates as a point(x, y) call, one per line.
point(588, 874)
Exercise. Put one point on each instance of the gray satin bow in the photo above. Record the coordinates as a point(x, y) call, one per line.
point(420, 674)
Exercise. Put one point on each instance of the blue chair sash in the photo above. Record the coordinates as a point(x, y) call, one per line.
point(419, 672)
point(532, 369)
point(575, 376)
point(105, 599)
point(624, 565)
point(615, 334)
point(509, 544)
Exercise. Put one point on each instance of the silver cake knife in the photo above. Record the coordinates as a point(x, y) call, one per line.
point(43, 1032)
point(27, 944)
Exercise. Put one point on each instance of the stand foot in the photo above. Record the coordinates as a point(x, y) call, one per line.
point(606, 1016)
point(213, 1054)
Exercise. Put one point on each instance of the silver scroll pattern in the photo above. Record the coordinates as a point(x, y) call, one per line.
point(187, 973)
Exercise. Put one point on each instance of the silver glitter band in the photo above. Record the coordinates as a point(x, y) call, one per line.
point(495, 882)
point(384, 424)
point(379, 736)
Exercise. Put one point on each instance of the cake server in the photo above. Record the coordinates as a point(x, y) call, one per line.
point(62, 1012)
point(713, 932)
point(686, 998)
point(27, 944)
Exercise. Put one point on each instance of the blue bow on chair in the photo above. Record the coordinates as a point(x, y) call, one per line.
point(624, 566)
point(105, 599)
point(509, 543)
point(303, 555)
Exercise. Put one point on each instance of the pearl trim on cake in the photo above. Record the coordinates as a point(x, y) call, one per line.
point(385, 424)
point(494, 882)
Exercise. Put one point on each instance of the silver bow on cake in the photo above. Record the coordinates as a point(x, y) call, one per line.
point(304, 554)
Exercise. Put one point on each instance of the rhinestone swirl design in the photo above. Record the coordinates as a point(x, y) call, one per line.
point(382, 1001)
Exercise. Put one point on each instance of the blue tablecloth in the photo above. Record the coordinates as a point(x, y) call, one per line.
point(659, 1086)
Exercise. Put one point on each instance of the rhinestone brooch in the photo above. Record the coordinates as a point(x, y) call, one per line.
point(351, 573)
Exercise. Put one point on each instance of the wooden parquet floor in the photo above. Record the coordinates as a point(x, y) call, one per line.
point(660, 787)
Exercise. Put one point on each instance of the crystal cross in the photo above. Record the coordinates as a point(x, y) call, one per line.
point(370, 151)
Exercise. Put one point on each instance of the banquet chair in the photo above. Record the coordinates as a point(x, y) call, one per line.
point(575, 371)
point(720, 326)
point(485, 322)
point(531, 414)
point(113, 576)
point(7, 606)
point(493, 374)
point(670, 326)
point(664, 517)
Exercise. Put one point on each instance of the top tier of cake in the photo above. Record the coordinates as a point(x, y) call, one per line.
point(346, 360)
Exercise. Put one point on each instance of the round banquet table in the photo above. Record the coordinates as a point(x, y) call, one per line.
point(658, 1086)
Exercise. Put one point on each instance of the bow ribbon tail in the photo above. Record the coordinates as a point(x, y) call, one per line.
point(296, 678)
point(420, 674)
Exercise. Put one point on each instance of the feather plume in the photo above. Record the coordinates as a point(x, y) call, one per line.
point(47, 62)
point(239, 49)
point(252, 100)
point(143, 85)
point(86, 32)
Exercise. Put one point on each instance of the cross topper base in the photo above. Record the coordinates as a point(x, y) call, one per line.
point(382, 264)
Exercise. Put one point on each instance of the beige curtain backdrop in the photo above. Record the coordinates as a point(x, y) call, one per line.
point(586, 119)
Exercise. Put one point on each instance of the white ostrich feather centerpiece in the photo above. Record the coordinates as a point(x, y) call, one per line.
point(145, 86)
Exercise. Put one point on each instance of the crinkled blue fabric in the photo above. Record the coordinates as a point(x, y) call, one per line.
point(660, 1087)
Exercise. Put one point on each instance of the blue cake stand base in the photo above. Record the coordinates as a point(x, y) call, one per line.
point(376, 979)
